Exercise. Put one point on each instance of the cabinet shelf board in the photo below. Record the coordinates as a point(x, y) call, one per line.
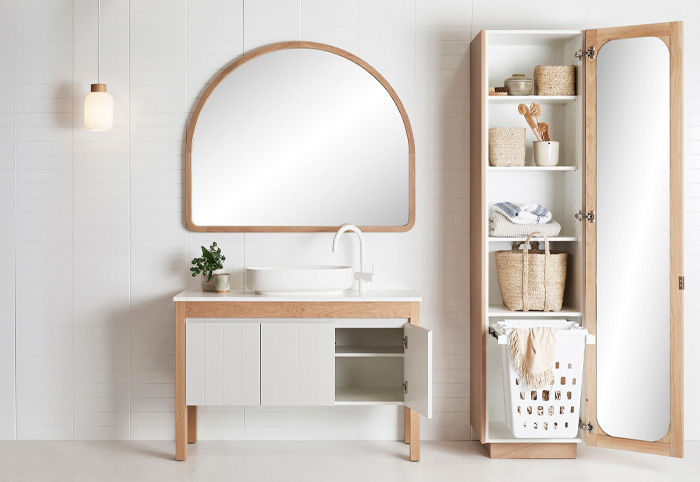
point(528, 99)
point(493, 239)
point(531, 37)
point(368, 351)
point(501, 310)
point(532, 168)
point(498, 432)
point(368, 396)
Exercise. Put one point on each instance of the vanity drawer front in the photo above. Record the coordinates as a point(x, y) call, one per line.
point(298, 364)
point(222, 364)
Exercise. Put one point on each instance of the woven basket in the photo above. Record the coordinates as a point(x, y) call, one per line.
point(531, 279)
point(555, 80)
point(507, 146)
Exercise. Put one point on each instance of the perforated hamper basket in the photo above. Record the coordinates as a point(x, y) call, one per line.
point(550, 412)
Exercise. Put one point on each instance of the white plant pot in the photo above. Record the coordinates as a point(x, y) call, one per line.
point(210, 286)
point(546, 153)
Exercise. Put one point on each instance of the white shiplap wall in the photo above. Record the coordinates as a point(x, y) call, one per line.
point(92, 243)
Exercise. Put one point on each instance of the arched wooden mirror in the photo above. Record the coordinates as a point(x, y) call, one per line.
point(300, 136)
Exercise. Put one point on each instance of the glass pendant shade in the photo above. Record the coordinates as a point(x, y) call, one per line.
point(99, 108)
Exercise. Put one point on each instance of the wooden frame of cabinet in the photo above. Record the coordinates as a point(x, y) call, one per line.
point(186, 416)
point(579, 175)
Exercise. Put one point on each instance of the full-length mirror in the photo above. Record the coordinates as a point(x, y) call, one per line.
point(633, 238)
point(300, 137)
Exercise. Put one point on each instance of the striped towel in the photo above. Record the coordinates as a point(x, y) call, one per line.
point(523, 213)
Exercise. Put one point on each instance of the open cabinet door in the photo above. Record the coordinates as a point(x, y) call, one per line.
point(633, 98)
point(418, 369)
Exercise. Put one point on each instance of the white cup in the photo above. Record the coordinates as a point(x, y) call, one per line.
point(546, 153)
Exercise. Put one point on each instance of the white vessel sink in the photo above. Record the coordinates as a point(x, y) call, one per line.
point(298, 280)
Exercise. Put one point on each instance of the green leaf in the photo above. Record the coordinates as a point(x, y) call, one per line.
point(207, 254)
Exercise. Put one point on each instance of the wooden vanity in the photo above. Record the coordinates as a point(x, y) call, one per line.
point(241, 349)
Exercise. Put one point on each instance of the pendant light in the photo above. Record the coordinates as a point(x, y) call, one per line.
point(99, 107)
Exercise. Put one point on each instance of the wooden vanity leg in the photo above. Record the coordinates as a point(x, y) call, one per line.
point(407, 425)
point(412, 417)
point(414, 424)
point(180, 407)
point(192, 424)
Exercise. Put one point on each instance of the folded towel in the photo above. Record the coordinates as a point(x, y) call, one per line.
point(533, 351)
point(501, 227)
point(523, 213)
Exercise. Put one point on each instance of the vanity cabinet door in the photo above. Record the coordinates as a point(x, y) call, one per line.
point(418, 369)
point(194, 364)
point(222, 364)
point(297, 364)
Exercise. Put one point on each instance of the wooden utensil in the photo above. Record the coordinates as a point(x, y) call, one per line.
point(523, 109)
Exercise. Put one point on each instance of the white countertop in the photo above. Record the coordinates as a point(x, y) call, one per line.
point(349, 296)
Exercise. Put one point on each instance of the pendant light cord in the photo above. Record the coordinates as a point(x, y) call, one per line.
point(99, 21)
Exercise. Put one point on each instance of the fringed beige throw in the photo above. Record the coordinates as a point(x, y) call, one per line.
point(533, 351)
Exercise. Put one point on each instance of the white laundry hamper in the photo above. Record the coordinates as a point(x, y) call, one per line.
point(550, 412)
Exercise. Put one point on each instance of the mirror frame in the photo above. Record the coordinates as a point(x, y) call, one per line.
point(299, 229)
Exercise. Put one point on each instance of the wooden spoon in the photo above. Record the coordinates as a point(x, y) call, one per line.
point(522, 109)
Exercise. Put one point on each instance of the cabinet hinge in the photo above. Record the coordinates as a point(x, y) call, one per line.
point(405, 387)
point(405, 343)
point(589, 52)
point(586, 426)
point(589, 216)
point(681, 282)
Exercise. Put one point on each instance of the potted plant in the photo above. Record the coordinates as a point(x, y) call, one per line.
point(210, 261)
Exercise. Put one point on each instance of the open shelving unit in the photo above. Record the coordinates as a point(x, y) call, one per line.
point(559, 188)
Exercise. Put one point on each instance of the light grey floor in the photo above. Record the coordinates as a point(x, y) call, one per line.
point(323, 462)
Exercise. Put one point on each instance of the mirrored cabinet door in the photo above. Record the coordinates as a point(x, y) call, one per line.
point(634, 242)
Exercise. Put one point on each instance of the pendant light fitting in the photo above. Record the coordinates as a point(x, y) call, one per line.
point(99, 106)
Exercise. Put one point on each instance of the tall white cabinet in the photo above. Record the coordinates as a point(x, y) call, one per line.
point(559, 188)
point(569, 191)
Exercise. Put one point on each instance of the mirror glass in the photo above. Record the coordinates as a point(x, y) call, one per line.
point(300, 137)
point(632, 218)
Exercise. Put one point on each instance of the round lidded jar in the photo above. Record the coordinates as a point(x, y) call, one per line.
point(518, 84)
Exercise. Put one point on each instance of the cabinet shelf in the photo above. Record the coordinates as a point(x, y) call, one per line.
point(532, 168)
point(528, 99)
point(369, 396)
point(501, 310)
point(493, 239)
point(368, 351)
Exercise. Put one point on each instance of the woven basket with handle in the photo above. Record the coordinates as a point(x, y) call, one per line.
point(531, 279)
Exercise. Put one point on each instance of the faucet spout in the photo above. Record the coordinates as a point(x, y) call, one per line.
point(360, 275)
